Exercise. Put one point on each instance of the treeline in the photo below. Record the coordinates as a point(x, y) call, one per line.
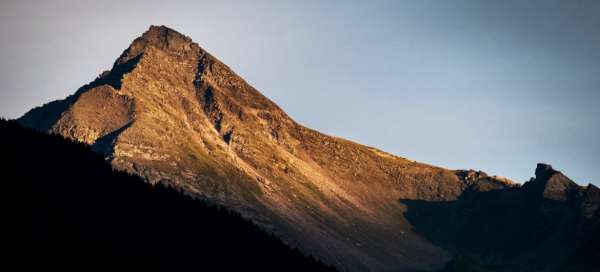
point(65, 209)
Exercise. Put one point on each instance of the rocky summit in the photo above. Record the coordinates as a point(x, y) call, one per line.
point(173, 114)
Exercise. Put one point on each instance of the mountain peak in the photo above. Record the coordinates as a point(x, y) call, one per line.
point(552, 183)
point(164, 37)
point(160, 37)
point(544, 171)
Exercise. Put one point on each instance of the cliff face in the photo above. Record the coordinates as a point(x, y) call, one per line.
point(172, 113)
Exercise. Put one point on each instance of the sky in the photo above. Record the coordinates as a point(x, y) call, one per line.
point(496, 86)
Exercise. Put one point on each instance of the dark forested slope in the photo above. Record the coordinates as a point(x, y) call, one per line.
point(64, 208)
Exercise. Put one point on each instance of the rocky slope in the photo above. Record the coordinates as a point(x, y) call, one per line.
point(172, 113)
point(540, 226)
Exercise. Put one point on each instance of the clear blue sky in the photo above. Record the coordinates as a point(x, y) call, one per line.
point(490, 85)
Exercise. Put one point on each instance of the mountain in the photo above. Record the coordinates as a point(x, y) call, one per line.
point(545, 225)
point(173, 114)
point(64, 209)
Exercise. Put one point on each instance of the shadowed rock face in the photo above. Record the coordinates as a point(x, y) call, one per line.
point(172, 113)
point(541, 226)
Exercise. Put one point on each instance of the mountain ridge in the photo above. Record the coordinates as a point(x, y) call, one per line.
point(170, 112)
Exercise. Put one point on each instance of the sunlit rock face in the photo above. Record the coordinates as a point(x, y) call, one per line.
point(172, 113)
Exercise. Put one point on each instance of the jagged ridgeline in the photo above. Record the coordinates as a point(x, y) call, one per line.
point(64, 209)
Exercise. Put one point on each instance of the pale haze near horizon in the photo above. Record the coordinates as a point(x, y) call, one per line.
point(490, 85)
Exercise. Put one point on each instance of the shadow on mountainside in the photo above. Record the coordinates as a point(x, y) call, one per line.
point(512, 229)
point(64, 209)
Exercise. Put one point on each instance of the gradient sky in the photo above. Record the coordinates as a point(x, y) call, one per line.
point(490, 85)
